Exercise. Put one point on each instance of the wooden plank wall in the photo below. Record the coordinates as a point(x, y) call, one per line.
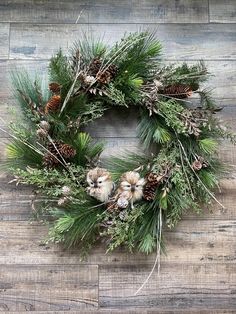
point(198, 274)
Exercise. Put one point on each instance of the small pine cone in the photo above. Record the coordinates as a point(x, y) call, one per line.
point(179, 91)
point(42, 133)
point(53, 104)
point(197, 165)
point(44, 125)
point(49, 161)
point(149, 192)
point(54, 87)
point(104, 77)
point(67, 151)
point(95, 66)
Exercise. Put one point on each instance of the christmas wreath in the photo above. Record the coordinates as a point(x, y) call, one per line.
point(124, 200)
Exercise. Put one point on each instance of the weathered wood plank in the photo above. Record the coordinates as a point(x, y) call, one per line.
point(104, 11)
point(48, 287)
point(192, 241)
point(222, 11)
point(180, 41)
point(176, 287)
point(134, 310)
point(4, 40)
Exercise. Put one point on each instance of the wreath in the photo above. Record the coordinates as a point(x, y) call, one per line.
point(125, 200)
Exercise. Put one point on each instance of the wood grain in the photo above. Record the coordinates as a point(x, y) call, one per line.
point(189, 286)
point(134, 310)
point(4, 40)
point(181, 41)
point(192, 241)
point(48, 287)
point(198, 272)
point(103, 11)
point(222, 11)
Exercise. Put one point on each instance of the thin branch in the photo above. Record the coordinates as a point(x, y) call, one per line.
point(187, 179)
point(158, 255)
point(199, 179)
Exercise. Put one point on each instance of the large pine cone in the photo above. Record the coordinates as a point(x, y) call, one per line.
point(53, 104)
point(56, 150)
point(179, 91)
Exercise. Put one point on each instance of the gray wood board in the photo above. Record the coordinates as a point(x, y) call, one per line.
point(180, 41)
point(4, 40)
point(222, 11)
point(48, 287)
point(192, 241)
point(104, 11)
point(176, 287)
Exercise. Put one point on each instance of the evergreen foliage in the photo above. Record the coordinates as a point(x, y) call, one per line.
point(180, 140)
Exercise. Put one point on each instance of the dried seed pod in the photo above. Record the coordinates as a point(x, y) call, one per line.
point(42, 133)
point(44, 125)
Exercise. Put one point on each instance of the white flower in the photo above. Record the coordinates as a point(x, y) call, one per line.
point(66, 190)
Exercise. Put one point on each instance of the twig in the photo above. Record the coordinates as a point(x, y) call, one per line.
point(187, 179)
point(79, 16)
point(199, 179)
point(65, 163)
point(158, 255)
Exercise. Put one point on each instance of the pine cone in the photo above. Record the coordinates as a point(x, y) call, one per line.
point(56, 150)
point(49, 161)
point(54, 87)
point(95, 66)
point(104, 77)
point(153, 180)
point(179, 91)
point(150, 187)
point(67, 151)
point(54, 147)
point(113, 70)
point(149, 192)
point(53, 104)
